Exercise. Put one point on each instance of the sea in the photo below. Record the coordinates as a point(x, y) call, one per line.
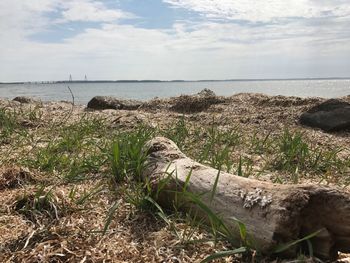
point(82, 92)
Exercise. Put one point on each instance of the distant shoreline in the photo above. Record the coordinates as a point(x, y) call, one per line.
point(164, 81)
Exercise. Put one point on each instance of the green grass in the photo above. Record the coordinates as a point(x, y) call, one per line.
point(178, 133)
point(261, 144)
point(39, 203)
point(293, 152)
point(8, 124)
point(234, 151)
point(13, 123)
point(88, 147)
point(73, 150)
point(296, 156)
point(128, 155)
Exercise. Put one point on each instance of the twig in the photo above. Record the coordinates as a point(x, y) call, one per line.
point(28, 239)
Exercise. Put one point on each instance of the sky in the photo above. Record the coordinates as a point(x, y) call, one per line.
point(46, 40)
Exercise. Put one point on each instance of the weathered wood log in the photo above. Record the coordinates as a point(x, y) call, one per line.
point(274, 214)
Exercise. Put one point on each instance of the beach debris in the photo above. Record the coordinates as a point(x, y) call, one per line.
point(206, 93)
point(107, 102)
point(331, 115)
point(273, 214)
point(195, 103)
point(284, 101)
point(27, 100)
point(14, 177)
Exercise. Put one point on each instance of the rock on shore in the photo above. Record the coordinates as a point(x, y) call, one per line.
point(106, 102)
point(331, 115)
point(27, 100)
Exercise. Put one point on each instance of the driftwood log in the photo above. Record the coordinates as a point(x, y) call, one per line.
point(273, 214)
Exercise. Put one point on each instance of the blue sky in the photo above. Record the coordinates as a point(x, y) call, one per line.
point(173, 39)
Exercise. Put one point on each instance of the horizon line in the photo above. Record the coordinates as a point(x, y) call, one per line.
point(175, 80)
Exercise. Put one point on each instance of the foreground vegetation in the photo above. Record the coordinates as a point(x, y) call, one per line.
point(73, 186)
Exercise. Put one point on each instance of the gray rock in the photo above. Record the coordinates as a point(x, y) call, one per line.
point(25, 99)
point(106, 102)
point(206, 93)
point(331, 115)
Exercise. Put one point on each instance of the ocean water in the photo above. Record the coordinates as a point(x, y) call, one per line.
point(83, 92)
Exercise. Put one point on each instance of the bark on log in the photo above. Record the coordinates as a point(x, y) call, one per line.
point(273, 214)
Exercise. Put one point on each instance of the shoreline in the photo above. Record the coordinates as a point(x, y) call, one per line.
point(170, 98)
point(167, 81)
point(83, 92)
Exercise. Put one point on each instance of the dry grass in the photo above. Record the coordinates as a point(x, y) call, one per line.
point(56, 192)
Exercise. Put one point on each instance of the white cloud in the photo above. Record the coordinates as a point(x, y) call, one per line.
point(84, 10)
point(19, 18)
point(266, 10)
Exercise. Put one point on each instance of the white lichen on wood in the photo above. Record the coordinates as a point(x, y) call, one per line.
point(255, 197)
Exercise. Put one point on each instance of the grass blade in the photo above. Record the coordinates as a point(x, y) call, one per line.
point(284, 247)
point(111, 213)
point(215, 186)
point(222, 254)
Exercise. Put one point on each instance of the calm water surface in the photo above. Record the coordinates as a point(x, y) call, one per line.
point(83, 92)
